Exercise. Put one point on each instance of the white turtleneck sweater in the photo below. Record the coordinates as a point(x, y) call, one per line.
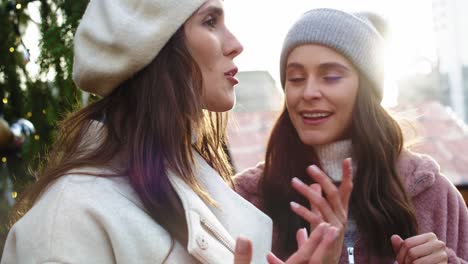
point(331, 157)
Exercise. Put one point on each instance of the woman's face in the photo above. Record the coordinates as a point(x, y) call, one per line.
point(321, 87)
point(214, 48)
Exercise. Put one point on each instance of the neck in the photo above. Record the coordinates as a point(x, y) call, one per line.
point(331, 157)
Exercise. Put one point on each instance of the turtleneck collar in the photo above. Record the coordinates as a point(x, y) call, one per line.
point(331, 157)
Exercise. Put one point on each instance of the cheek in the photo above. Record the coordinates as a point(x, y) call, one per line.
point(290, 97)
point(347, 104)
point(203, 51)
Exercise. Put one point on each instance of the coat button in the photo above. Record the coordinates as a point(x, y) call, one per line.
point(202, 242)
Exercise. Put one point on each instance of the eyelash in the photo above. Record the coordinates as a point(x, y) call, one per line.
point(295, 80)
point(211, 21)
point(332, 78)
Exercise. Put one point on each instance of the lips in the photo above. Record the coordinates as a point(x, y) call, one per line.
point(315, 117)
point(232, 72)
point(230, 75)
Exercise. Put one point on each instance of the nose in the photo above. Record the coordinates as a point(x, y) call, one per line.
point(312, 90)
point(232, 46)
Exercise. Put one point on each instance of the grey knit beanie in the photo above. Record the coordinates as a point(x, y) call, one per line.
point(354, 35)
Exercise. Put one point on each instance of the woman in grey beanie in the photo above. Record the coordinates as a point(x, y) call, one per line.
point(401, 208)
point(140, 176)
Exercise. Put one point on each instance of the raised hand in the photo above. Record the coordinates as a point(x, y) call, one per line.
point(334, 208)
point(315, 249)
point(421, 249)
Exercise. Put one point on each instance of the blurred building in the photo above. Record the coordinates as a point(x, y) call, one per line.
point(434, 129)
point(450, 25)
point(259, 100)
point(257, 91)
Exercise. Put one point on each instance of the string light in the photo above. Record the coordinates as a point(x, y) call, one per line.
point(18, 6)
point(12, 49)
point(29, 114)
point(37, 137)
point(14, 195)
point(44, 111)
point(5, 100)
point(4, 159)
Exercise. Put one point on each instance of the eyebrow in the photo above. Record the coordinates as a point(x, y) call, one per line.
point(322, 66)
point(294, 65)
point(331, 65)
point(212, 10)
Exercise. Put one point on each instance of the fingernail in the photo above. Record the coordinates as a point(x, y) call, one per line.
point(315, 169)
point(294, 205)
point(324, 226)
point(242, 245)
point(332, 232)
point(297, 181)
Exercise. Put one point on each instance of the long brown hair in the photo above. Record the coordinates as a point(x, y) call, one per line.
point(379, 203)
point(148, 126)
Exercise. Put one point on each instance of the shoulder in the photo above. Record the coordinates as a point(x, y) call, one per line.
point(439, 206)
point(417, 171)
point(80, 215)
point(421, 174)
point(246, 182)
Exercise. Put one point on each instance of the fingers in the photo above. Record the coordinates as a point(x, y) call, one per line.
point(397, 241)
point(243, 251)
point(437, 257)
point(301, 237)
point(419, 246)
point(346, 186)
point(425, 249)
point(326, 246)
point(316, 187)
point(314, 218)
point(303, 254)
point(419, 239)
point(272, 259)
point(319, 203)
point(327, 185)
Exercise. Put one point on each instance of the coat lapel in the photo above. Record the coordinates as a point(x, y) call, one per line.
point(213, 229)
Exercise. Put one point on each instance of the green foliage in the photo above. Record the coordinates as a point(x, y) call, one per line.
point(40, 99)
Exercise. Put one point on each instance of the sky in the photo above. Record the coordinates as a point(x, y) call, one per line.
point(261, 26)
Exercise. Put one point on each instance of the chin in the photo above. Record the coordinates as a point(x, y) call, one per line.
point(222, 107)
point(228, 104)
point(314, 140)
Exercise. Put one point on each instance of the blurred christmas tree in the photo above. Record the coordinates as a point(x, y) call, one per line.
point(41, 96)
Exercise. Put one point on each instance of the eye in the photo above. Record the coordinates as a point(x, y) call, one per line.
point(332, 78)
point(296, 79)
point(211, 21)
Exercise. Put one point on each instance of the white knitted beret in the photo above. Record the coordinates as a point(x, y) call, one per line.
point(117, 38)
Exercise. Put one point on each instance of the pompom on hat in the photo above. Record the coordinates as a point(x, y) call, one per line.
point(357, 36)
point(117, 38)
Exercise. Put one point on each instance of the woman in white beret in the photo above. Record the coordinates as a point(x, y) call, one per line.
point(140, 175)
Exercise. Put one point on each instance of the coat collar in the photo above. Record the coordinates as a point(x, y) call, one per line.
point(213, 229)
